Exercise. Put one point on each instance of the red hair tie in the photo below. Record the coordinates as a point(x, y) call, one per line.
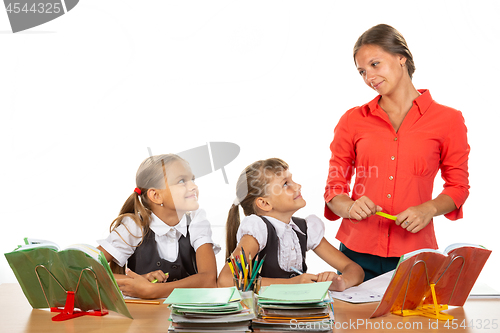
point(138, 191)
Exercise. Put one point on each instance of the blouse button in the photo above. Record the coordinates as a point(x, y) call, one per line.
point(393, 158)
point(395, 139)
point(391, 177)
point(389, 196)
point(158, 264)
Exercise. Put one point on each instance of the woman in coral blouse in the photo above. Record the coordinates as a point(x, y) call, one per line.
point(395, 145)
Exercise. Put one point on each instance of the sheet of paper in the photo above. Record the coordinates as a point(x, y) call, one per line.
point(369, 291)
point(482, 290)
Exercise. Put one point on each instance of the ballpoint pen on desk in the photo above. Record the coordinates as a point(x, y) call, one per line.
point(156, 280)
point(296, 270)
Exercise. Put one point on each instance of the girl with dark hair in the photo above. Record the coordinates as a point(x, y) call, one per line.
point(269, 198)
point(395, 145)
point(161, 234)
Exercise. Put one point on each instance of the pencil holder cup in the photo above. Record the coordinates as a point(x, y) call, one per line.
point(248, 298)
point(248, 291)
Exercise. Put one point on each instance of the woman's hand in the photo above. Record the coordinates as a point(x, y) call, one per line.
point(362, 208)
point(338, 283)
point(416, 218)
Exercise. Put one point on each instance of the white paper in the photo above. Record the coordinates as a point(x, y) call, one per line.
point(369, 291)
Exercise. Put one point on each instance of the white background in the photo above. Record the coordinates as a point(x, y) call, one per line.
point(83, 96)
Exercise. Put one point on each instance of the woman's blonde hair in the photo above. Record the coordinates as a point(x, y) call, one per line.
point(151, 174)
point(252, 184)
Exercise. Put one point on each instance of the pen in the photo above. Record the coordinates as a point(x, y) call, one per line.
point(296, 270)
point(156, 280)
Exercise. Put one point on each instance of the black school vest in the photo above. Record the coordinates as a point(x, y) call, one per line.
point(147, 259)
point(271, 267)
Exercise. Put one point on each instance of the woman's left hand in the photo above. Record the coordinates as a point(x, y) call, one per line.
point(416, 218)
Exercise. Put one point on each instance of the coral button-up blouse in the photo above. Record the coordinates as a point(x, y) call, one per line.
point(397, 170)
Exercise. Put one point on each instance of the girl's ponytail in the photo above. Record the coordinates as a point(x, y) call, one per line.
point(134, 209)
point(232, 225)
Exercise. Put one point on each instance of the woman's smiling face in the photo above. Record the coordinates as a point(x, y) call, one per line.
point(381, 70)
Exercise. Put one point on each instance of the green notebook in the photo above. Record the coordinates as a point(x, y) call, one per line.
point(206, 296)
point(293, 293)
point(65, 265)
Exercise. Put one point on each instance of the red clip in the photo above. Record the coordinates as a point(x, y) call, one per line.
point(69, 310)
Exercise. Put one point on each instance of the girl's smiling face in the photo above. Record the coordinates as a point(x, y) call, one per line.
point(381, 70)
point(284, 194)
point(181, 193)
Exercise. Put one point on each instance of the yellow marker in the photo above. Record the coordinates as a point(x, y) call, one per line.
point(387, 216)
point(156, 280)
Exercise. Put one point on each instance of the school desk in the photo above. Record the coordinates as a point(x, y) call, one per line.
point(16, 315)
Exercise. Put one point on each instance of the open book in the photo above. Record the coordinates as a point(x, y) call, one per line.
point(45, 272)
point(453, 273)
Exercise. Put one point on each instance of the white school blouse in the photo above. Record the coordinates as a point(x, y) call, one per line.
point(123, 240)
point(289, 254)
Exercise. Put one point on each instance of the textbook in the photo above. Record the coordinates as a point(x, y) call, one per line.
point(46, 273)
point(453, 274)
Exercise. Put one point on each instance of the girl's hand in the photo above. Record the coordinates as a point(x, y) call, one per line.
point(304, 278)
point(135, 285)
point(338, 283)
point(362, 208)
point(416, 218)
point(158, 275)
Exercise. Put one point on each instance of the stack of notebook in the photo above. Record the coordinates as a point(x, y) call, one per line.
point(208, 310)
point(295, 307)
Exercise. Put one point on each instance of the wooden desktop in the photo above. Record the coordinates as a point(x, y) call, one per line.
point(16, 315)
